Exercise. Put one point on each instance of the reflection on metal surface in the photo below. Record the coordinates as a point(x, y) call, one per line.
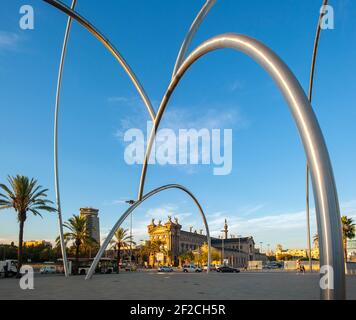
point(56, 111)
point(132, 208)
point(326, 200)
point(192, 31)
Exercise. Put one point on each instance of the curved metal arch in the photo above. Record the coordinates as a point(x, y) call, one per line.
point(310, 97)
point(56, 111)
point(105, 41)
point(326, 199)
point(132, 208)
point(192, 31)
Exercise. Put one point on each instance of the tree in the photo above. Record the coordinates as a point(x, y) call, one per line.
point(316, 241)
point(348, 232)
point(152, 248)
point(201, 257)
point(79, 234)
point(121, 240)
point(24, 196)
point(186, 257)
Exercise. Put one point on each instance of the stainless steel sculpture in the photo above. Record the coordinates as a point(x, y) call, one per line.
point(310, 97)
point(326, 200)
point(132, 208)
point(56, 111)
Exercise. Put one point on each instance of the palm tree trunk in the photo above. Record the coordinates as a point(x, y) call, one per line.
point(77, 247)
point(345, 249)
point(118, 258)
point(20, 248)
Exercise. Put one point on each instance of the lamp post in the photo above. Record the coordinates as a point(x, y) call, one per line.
point(130, 202)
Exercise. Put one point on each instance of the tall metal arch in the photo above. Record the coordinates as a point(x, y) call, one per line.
point(310, 97)
point(137, 204)
point(73, 15)
point(56, 171)
point(326, 199)
point(191, 33)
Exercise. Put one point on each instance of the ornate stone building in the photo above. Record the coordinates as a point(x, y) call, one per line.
point(175, 241)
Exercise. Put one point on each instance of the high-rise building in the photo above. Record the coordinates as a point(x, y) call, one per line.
point(92, 217)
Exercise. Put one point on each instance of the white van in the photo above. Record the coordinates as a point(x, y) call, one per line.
point(11, 266)
point(191, 268)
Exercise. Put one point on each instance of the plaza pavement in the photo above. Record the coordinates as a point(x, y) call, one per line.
point(173, 286)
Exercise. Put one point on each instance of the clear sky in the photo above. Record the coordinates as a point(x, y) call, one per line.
point(263, 196)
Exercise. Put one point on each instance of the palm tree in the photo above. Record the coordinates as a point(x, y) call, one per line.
point(348, 232)
point(24, 195)
point(79, 234)
point(121, 240)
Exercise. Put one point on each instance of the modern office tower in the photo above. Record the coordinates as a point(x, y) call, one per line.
point(92, 217)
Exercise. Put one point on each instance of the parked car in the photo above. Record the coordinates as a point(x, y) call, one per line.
point(48, 270)
point(191, 268)
point(165, 269)
point(273, 265)
point(212, 268)
point(226, 269)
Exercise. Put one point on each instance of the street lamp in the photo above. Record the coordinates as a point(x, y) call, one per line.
point(131, 203)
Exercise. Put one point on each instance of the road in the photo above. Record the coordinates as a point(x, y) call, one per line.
point(174, 286)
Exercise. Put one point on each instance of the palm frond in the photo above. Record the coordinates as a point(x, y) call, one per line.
point(35, 212)
point(3, 207)
point(7, 190)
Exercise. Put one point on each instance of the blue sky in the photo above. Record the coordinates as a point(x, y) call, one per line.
point(264, 194)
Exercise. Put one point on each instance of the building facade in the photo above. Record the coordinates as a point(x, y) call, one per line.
point(37, 243)
point(92, 219)
point(351, 249)
point(281, 254)
point(174, 242)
